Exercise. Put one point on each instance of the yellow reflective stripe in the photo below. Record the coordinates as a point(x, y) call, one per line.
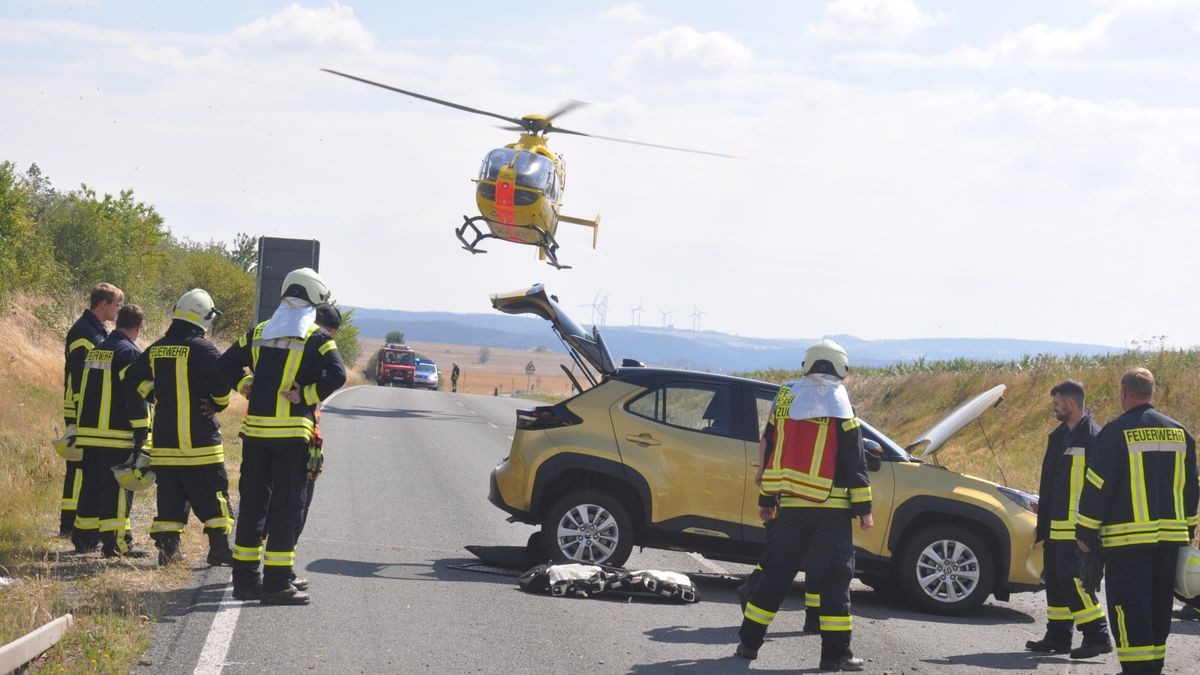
point(860, 494)
point(327, 347)
point(1148, 526)
point(223, 400)
point(81, 343)
point(103, 432)
point(1055, 613)
point(247, 553)
point(279, 558)
point(1179, 481)
point(96, 442)
point(812, 599)
point(145, 388)
point(82, 523)
point(121, 373)
point(835, 623)
point(1191, 521)
point(158, 526)
point(219, 523)
point(71, 503)
point(143, 423)
point(1077, 469)
point(1137, 487)
point(1144, 653)
point(114, 524)
point(1095, 479)
point(852, 423)
point(1122, 634)
point(814, 468)
point(291, 366)
point(310, 395)
point(1088, 522)
point(183, 408)
point(758, 615)
point(278, 422)
point(105, 400)
point(1085, 616)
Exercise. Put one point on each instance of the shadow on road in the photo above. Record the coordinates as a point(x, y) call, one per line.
point(729, 664)
point(1013, 660)
point(439, 570)
point(401, 413)
point(707, 635)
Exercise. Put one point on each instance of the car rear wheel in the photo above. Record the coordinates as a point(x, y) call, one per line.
point(588, 527)
point(947, 569)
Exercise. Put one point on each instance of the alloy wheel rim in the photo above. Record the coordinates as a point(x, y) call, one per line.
point(947, 571)
point(588, 533)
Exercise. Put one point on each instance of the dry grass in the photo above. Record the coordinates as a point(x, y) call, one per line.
point(113, 601)
point(504, 371)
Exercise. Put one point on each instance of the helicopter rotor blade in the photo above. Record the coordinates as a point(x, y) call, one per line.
point(565, 108)
point(560, 130)
point(423, 97)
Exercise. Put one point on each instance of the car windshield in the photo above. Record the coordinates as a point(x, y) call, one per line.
point(426, 368)
point(891, 450)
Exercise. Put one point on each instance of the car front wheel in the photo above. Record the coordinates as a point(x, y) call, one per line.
point(947, 569)
point(588, 527)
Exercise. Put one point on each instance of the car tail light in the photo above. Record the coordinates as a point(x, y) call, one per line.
point(546, 417)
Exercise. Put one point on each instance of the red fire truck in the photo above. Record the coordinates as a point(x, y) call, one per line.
point(397, 366)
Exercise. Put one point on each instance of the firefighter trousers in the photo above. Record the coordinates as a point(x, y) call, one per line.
point(1067, 603)
point(1140, 584)
point(272, 487)
point(812, 584)
point(821, 541)
point(103, 510)
point(205, 487)
point(72, 482)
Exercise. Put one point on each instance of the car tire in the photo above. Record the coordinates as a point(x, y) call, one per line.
point(588, 526)
point(946, 569)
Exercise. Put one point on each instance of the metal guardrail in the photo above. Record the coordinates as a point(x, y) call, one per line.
point(17, 653)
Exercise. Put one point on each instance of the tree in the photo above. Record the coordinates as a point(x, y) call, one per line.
point(394, 337)
point(485, 354)
point(347, 339)
point(244, 251)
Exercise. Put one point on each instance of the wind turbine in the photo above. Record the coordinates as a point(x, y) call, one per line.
point(635, 314)
point(597, 307)
point(695, 317)
point(604, 311)
point(666, 317)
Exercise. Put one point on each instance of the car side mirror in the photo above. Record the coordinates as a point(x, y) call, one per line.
point(874, 454)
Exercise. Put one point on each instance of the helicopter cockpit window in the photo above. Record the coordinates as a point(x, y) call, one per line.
point(534, 171)
point(495, 161)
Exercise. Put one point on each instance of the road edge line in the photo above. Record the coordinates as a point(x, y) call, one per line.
point(220, 635)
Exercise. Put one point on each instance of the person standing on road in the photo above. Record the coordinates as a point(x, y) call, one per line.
point(1063, 469)
point(293, 366)
point(106, 422)
point(454, 377)
point(1138, 506)
point(178, 373)
point(818, 473)
point(87, 332)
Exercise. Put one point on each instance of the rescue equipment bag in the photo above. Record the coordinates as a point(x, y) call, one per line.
point(582, 581)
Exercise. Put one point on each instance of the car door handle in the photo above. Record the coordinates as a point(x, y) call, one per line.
point(642, 439)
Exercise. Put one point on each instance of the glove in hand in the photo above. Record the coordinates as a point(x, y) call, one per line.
point(1091, 569)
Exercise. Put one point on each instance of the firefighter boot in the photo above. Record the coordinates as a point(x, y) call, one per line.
point(248, 593)
point(1095, 642)
point(746, 652)
point(846, 662)
point(298, 583)
point(288, 596)
point(168, 549)
point(1049, 644)
point(218, 550)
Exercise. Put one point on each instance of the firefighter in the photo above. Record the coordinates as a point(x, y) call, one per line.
point(106, 422)
point(293, 366)
point(1138, 507)
point(454, 377)
point(87, 332)
point(1063, 468)
point(178, 373)
point(328, 319)
point(818, 473)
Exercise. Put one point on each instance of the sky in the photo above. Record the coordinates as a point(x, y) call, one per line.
point(908, 168)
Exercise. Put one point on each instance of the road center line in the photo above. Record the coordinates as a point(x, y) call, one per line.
point(493, 426)
point(220, 635)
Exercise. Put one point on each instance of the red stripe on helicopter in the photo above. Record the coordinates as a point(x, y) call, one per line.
point(504, 202)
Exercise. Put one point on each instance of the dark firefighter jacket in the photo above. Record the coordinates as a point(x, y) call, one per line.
point(1062, 479)
point(1140, 484)
point(276, 365)
point(87, 332)
point(850, 487)
point(106, 416)
point(179, 375)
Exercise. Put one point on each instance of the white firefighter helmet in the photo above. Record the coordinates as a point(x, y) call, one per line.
point(311, 286)
point(135, 477)
point(1187, 572)
point(829, 351)
point(196, 307)
point(65, 446)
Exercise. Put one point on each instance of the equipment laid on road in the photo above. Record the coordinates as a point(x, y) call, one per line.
point(519, 188)
point(582, 581)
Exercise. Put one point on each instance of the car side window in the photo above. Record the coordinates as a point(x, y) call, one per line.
point(699, 407)
point(763, 399)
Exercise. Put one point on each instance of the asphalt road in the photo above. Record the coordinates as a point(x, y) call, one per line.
point(405, 490)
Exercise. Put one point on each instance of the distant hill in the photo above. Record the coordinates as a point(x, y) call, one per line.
point(703, 350)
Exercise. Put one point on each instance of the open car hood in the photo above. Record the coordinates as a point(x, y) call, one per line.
point(951, 424)
point(534, 300)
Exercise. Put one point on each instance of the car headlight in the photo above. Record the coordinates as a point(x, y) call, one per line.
point(1022, 499)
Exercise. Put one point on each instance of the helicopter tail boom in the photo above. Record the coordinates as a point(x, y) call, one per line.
point(594, 224)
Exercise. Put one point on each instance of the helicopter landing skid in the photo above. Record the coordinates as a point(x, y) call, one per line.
point(546, 241)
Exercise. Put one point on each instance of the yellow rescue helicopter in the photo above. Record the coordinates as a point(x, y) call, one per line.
point(520, 186)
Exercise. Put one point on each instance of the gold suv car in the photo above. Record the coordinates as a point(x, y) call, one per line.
point(666, 459)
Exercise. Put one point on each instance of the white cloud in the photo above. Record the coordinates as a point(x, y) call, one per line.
point(334, 26)
point(629, 12)
point(685, 47)
point(872, 20)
